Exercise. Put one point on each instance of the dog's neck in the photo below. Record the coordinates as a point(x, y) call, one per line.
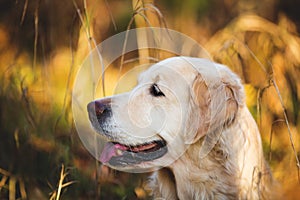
point(215, 174)
point(232, 170)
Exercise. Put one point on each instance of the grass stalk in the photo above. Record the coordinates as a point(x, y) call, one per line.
point(140, 21)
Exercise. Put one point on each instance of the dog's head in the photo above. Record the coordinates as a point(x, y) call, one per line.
point(176, 102)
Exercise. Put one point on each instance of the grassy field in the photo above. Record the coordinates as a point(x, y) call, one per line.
point(41, 155)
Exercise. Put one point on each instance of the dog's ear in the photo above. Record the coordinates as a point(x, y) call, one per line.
point(233, 99)
point(199, 111)
point(231, 96)
point(217, 104)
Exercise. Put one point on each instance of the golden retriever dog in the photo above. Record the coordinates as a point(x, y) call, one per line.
point(187, 120)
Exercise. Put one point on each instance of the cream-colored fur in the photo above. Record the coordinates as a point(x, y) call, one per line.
point(208, 129)
point(235, 167)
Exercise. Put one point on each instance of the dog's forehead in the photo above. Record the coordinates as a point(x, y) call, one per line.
point(169, 68)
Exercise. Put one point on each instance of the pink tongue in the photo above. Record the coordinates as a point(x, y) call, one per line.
point(110, 150)
point(122, 147)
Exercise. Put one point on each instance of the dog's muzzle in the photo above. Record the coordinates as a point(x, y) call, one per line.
point(99, 112)
point(115, 153)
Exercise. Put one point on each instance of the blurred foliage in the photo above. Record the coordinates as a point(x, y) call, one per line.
point(49, 25)
point(42, 43)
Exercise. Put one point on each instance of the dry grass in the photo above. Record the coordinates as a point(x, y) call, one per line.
point(62, 185)
point(266, 55)
point(12, 184)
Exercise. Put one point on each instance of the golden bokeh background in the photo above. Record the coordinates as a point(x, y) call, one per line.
point(43, 43)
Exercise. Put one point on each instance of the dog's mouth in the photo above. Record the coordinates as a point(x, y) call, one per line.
point(117, 154)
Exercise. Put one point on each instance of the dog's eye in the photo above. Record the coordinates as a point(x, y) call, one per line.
point(155, 91)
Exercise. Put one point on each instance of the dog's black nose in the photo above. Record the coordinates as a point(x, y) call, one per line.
point(99, 109)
